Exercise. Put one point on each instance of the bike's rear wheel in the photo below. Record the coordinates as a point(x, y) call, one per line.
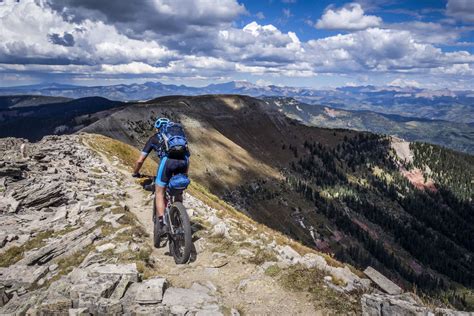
point(181, 238)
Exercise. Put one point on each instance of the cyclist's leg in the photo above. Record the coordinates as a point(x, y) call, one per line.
point(160, 187)
point(160, 201)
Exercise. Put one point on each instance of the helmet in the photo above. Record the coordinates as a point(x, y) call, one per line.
point(162, 121)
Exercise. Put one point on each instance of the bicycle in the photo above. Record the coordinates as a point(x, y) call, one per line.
point(178, 235)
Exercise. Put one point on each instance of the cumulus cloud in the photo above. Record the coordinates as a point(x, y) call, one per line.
point(141, 18)
point(67, 39)
point(349, 17)
point(36, 34)
point(380, 50)
point(461, 9)
point(44, 39)
point(430, 32)
point(260, 45)
point(400, 82)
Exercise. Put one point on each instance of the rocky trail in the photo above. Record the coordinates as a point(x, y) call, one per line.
point(75, 239)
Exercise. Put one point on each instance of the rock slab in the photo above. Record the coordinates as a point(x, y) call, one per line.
point(384, 283)
point(151, 291)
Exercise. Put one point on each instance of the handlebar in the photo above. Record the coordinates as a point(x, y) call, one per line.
point(147, 182)
point(149, 187)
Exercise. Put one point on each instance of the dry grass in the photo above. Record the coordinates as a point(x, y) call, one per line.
point(273, 271)
point(301, 279)
point(16, 253)
point(126, 154)
point(262, 256)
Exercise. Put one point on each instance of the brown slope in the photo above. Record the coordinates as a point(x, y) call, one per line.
point(234, 140)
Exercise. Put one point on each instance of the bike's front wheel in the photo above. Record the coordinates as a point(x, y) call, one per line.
point(180, 235)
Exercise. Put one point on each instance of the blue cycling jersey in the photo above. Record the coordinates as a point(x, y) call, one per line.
point(155, 143)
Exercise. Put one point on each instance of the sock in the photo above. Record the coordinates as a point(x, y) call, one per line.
point(160, 219)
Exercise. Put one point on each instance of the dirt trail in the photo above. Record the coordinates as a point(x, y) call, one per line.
point(238, 284)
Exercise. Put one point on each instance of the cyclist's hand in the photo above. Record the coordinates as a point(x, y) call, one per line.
point(136, 175)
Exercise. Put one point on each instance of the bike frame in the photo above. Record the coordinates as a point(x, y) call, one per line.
point(169, 204)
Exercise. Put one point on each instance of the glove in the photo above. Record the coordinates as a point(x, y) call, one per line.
point(136, 175)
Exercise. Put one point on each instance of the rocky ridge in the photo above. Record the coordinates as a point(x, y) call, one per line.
point(74, 239)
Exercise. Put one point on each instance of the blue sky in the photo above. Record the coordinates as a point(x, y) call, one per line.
point(285, 42)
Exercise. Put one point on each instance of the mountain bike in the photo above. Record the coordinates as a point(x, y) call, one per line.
point(178, 233)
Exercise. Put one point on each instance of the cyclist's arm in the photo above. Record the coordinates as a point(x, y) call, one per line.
point(139, 163)
point(146, 150)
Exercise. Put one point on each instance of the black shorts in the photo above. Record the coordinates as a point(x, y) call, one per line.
point(169, 167)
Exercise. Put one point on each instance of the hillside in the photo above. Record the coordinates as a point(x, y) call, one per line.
point(357, 195)
point(34, 117)
point(9, 102)
point(457, 136)
point(77, 241)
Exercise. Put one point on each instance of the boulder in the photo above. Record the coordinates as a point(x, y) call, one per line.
point(57, 305)
point(312, 260)
point(21, 275)
point(151, 291)
point(3, 296)
point(83, 311)
point(105, 247)
point(220, 230)
point(191, 299)
point(121, 288)
point(288, 253)
point(108, 306)
point(146, 310)
point(118, 270)
point(88, 292)
point(178, 310)
point(392, 305)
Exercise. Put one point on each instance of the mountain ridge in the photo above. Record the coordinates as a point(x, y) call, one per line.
point(456, 106)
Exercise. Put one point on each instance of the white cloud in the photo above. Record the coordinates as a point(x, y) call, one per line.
point(25, 38)
point(400, 82)
point(375, 50)
point(95, 47)
point(455, 69)
point(260, 15)
point(199, 11)
point(430, 32)
point(349, 17)
point(461, 9)
point(263, 82)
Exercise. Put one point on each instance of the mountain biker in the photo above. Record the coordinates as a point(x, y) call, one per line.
point(170, 164)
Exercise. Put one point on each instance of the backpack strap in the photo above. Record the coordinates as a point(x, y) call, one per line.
point(165, 140)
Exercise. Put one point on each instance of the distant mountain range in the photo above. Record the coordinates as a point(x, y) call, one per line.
point(455, 106)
